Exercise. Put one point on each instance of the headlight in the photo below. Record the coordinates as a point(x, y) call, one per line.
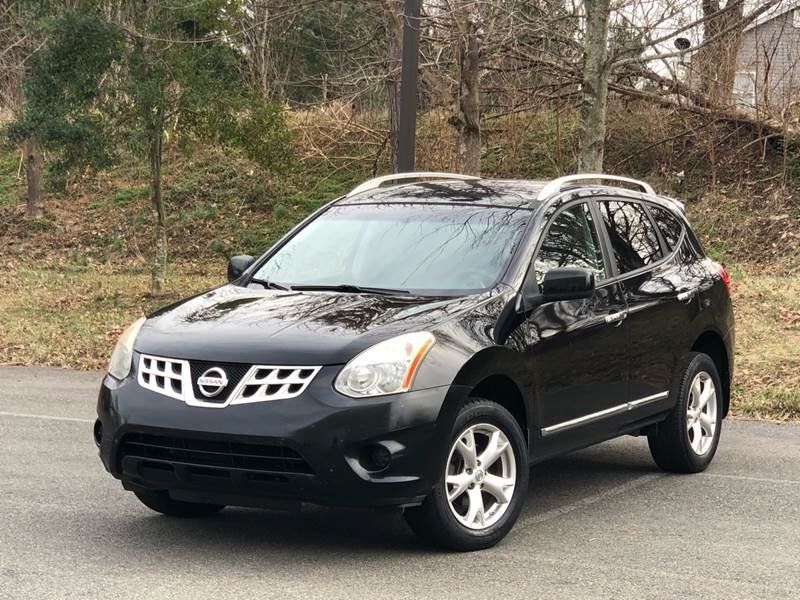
point(385, 368)
point(120, 364)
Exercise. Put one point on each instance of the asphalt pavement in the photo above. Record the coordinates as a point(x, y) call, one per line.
point(600, 523)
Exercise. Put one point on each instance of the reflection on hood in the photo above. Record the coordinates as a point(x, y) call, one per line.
point(249, 325)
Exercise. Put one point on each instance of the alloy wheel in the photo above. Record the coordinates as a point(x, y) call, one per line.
point(701, 413)
point(481, 476)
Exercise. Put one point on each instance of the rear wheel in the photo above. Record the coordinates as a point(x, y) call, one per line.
point(161, 502)
point(687, 440)
point(483, 484)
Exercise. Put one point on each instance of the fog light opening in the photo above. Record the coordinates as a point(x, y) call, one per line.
point(98, 432)
point(376, 457)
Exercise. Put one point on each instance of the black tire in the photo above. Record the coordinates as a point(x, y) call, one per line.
point(670, 444)
point(434, 521)
point(161, 502)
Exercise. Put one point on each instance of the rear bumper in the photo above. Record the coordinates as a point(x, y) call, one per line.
point(313, 448)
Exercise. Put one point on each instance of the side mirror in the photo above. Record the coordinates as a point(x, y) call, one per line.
point(567, 283)
point(238, 265)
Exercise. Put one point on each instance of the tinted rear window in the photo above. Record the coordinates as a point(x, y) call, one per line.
point(632, 234)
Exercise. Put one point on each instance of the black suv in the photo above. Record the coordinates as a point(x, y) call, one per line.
point(420, 342)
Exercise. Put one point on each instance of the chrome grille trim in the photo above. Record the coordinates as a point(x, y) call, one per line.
point(264, 383)
point(172, 377)
point(167, 376)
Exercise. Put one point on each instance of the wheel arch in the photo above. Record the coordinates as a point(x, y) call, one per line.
point(712, 344)
point(495, 374)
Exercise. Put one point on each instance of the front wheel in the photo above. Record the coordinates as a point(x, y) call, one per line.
point(483, 484)
point(687, 440)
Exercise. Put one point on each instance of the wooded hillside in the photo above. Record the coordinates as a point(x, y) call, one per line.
point(144, 143)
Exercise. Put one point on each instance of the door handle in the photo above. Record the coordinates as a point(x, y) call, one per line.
point(616, 318)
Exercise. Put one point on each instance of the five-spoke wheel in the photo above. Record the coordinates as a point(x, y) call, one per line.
point(701, 413)
point(481, 476)
point(685, 442)
point(483, 482)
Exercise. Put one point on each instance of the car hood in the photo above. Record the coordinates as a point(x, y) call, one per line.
point(236, 324)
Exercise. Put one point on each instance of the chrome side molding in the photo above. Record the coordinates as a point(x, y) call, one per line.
point(602, 414)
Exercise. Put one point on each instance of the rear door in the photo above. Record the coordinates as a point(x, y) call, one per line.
point(650, 274)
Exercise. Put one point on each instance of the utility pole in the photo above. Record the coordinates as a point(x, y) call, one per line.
point(407, 133)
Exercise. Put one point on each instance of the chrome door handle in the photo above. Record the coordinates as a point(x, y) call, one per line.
point(616, 318)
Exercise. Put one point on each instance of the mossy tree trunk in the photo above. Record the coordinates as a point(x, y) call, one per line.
point(594, 88)
point(33, 175)
point(159, 211)
point(393, 16)
point(468, 121)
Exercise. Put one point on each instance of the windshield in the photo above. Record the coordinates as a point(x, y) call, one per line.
point(434, 249)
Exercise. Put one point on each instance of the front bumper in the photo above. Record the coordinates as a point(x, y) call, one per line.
point(332, 435)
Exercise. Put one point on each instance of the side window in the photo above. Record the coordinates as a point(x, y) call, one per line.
point(671, 228)
point(571, 241)
point(633, 236)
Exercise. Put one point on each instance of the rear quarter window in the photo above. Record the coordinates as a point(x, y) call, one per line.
point(670, 226)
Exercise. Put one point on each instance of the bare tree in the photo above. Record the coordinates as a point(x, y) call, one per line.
point(716, 60)
point(467, 117)
point(708, 88)
point(594, 87)
point(393, 15)
point(255, 22)
point(716, 55)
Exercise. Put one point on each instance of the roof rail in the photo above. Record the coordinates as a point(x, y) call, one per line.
point(375, 183)
point(554, 186)
point(675, 202)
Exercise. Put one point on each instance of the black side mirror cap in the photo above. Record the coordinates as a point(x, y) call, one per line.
point(568, 283)
point(238, 265)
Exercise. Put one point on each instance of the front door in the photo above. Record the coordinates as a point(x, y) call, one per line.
point(576, 348)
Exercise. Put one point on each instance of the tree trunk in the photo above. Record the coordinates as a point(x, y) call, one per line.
point(393, 11)
point(160, 257)
point(594, 88)
point(717, 61)
point(261, 48)
point(33, 176)
point(468, 121)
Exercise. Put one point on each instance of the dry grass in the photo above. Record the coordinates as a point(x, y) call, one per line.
point(760, 229)
point(767, 379)
point(66, 318)
point(70, 317)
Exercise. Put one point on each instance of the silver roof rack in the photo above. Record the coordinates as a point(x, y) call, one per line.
point(375, 183)
point(555, 186)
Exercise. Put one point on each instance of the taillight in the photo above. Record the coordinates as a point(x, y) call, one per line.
point(726, 279)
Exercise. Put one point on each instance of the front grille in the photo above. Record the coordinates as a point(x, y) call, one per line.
point(199, 453)
point(275, 383)
point(163, 375)
point(178, 378)
point(233, 371)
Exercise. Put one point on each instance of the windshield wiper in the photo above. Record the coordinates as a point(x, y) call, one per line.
point(273, 285)
point(355, 289)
